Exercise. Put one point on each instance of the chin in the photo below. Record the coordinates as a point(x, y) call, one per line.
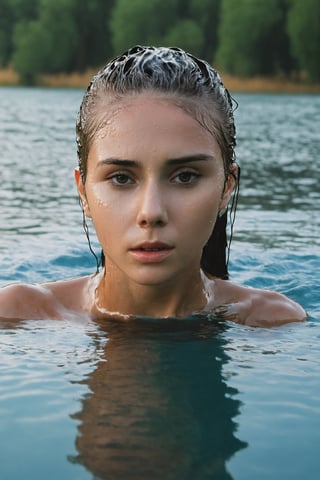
point(152, 282)
point(152, 278)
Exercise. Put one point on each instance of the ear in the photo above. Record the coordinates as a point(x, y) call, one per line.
point(229, 186)
point(82, 192)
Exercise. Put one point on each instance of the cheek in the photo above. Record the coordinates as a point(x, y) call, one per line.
point(101, 203)
point(199, 215)
point(204, 222)
point(110, 216)
point(100, 211)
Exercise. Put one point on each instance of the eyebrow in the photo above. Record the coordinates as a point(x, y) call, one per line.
point(199, 157)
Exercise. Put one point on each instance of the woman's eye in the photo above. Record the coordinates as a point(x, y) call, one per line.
point(186, 177)
point(121, 179)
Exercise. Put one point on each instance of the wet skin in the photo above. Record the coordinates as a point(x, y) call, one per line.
point(153, 199)
point(155, 184)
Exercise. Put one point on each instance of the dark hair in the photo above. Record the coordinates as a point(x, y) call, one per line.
point(192, 84)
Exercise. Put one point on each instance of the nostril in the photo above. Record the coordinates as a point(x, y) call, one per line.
point(152, 223)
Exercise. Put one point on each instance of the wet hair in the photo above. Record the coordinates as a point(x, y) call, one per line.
point(186, 81)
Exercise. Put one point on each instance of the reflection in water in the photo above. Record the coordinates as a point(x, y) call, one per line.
point(159, 407)
point(160, 391)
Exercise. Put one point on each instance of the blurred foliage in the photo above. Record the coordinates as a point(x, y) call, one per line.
point(59, 36)
point(45, 44)
point(252, 37)
point(304, 32)
point(206, 14)
point(242, 37)
point(11, 12)
point(142, 22)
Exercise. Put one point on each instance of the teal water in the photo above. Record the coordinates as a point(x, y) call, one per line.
point(195, 399)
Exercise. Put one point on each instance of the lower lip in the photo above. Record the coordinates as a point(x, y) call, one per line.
point(151, 256)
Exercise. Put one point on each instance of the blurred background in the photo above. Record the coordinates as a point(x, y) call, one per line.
point(42, 39)
point(262, 384)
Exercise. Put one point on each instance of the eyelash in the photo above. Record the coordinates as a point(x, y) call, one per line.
point(115, 179)
point(192, 178)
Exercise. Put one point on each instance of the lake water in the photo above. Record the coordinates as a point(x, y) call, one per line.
point(191, 399)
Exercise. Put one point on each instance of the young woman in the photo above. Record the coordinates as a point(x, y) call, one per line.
point(157, 169)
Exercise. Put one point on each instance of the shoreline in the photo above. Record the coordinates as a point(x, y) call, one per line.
point(235, 84)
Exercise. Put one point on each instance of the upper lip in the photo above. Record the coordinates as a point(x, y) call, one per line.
point(152, 245)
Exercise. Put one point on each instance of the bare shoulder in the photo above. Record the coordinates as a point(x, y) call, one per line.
point(256, 307)
point(22, 301)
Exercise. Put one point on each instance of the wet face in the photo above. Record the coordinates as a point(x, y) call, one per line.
point(155, 184)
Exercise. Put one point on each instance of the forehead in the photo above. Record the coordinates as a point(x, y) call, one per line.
point(107, 104)
point(149, 120)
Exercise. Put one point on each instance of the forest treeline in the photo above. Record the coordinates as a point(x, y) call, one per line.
point(240, 37)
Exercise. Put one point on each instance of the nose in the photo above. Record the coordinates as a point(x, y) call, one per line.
point(151, 211)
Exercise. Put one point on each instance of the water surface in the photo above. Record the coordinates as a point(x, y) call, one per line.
point(193, 399)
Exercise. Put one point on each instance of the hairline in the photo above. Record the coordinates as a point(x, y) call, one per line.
point(194, 105)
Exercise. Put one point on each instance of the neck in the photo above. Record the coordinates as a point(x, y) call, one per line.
point(178, 298)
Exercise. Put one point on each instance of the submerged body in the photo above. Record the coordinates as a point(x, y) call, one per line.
point(78, 299)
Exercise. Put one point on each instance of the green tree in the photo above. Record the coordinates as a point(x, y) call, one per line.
point(248, 32)
point(93, 34)
point(206, 13)
point(145, 22)
point(6, 26)
point(186, 34)
point(279, 55)
point(304, 33)
point(46, 45)
point(11, 11)
point(64, 35)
